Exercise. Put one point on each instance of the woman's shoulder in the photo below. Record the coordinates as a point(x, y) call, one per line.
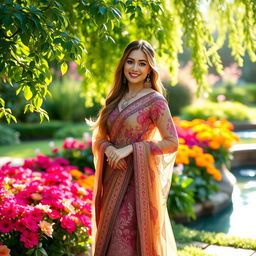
point(152, 92)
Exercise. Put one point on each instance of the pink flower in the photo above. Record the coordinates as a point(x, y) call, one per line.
point(19, 226)
point(68, 223)
point(30, 223)
point(55, 150)
point(54, 214)
point(88, 171)
point(86, 221)
point(6, 225)
point(61, 161)
point(9, 209)
point(29, 163)
point(29, 238)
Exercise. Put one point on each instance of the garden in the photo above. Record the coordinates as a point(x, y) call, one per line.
point(54, 75)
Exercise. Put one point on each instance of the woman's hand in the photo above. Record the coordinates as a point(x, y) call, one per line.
point(115, 156)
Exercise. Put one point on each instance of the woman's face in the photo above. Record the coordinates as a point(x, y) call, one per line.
point(136, 67)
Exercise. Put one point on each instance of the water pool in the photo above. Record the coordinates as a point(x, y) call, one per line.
point(240, 217)
point(246, 134)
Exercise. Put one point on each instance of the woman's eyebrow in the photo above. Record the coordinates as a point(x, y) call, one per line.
point(133, 59)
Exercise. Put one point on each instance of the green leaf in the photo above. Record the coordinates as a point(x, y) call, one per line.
point(2, 67)
point(43, 251)
point(20, 17)
point(7, 21)
point(117, 14)
point(27, 92)
point(25, 38)
point(37, 101)
point(132, 16)
point(63, 68)
point(103, 10)
point(2, 102)
point(57, 40)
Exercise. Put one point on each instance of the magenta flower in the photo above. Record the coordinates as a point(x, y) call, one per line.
point(6, 225)
point(55, 150)
point(30, 223)
point(68, 223)
point(29, 238)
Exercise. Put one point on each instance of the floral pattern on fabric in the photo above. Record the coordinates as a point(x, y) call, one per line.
point(123, 239)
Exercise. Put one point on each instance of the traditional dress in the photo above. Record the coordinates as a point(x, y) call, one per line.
point(130, 213)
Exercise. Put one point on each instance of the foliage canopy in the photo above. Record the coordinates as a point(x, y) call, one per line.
point(35, 34)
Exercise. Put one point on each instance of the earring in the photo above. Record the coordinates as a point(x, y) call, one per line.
point(147, 83)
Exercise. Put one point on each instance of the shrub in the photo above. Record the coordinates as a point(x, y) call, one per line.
point(32, 131)
point(75, 131)
point(8, 135)
point(232, 111)
point(67, 103)
point(178, 97)
point(245, 94)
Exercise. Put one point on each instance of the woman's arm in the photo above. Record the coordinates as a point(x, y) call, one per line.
point(161, 116)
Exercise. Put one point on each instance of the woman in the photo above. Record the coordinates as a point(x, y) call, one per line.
point(134, 147)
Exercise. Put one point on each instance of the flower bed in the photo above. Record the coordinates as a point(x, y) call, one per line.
point(204, 148)
point(43, 210)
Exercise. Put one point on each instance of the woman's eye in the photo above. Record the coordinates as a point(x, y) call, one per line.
point(143, 64)
point(129, 61)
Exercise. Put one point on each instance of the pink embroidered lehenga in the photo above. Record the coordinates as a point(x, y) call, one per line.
point(130, 214)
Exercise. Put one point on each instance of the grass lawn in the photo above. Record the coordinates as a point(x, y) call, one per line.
point(27, 149)
point(246, 141)
point(184, 236)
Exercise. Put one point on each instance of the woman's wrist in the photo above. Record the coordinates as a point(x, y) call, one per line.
point(130, 148)
point(108, 149)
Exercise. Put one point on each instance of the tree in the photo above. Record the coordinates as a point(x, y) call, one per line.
point(93, 33)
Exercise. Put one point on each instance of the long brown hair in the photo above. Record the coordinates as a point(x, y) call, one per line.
point(120, 85)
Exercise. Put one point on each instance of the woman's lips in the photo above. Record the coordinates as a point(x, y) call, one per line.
point(134, 75)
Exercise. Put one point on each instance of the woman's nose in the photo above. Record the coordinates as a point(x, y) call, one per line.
point(135, 66)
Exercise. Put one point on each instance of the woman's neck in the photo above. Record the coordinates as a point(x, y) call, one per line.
point(134, 88)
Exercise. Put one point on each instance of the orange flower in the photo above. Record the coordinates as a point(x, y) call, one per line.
point(181, 160)
point(200, 161)
point(4, 250)
point(88, 182)
point(76, 173)
point(217, 176)
point(36, 196)
point(46, 227)
point(211, 119)
point(209, 158)
point(214, 172)
point(204, 160)
point(214, 144)
point(195, 151)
